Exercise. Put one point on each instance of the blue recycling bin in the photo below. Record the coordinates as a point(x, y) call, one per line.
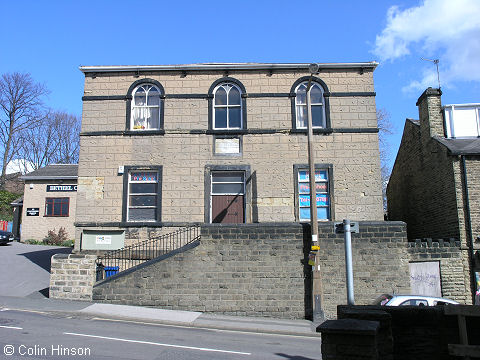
point(110, 270)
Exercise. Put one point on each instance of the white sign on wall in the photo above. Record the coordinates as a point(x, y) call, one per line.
point(425, 278)
point(103, 239)
point(227, 146)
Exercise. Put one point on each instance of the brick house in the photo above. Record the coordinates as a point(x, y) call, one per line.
point(435, 182)
point(172, 145)
point(49, 201)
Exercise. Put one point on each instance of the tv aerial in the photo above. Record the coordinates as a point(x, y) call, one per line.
point(435, 61)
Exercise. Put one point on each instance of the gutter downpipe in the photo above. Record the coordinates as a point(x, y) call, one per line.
point(471, 253)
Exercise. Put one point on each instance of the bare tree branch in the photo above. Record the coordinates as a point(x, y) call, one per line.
point(54, 140)
point(21, 105)
point(385, 128)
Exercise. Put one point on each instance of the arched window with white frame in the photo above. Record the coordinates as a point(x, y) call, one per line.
point(145, 108)
point(227, 107)
point(317, 104)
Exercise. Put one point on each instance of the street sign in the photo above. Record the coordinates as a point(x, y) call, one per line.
point(33, 211)
point(340, 230)
point(55, 188)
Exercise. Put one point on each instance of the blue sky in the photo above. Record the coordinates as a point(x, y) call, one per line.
point(50, 39)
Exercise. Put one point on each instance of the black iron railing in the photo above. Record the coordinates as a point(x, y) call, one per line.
point(113, 262)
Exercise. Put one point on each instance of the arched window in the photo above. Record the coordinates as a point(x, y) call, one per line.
point(227, 107)
point(317, 103)
point(146, 108)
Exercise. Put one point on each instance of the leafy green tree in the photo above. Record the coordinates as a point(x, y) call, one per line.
point(6, 198)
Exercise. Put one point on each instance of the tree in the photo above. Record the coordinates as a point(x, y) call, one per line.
point(385, 128)
point(54, 140)
point(22, 108)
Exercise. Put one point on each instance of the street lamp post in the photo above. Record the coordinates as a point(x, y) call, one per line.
point(318, 315)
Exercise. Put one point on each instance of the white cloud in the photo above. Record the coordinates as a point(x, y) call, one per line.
point(19, 165)
point(444, 29)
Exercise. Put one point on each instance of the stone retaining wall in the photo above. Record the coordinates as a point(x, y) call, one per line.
point(454, 268)
point(380, 263)
point(72, 276)
point(262, 270)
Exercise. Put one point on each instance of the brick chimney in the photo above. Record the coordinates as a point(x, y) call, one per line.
point(430, 113)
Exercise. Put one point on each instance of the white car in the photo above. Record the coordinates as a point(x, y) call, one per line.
point(415, 300)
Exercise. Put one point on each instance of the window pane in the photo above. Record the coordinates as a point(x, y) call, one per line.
point(143, 188)
point(234, 96)
point(221, 96)
point(301, 116)
point(227, 177)
point(152, 119)
point(301, 94)
point(225, 188)
point(57, 208)
point(140, 97)
point(322, 213)
point(234, 117)
point(64, 208)
point(321, 187)
point(317, 116)
point(142, 214)
point(153, 99)
point(49, 208)
point(305, 213)
point(303, 175)
point(322, 200)
point(304, 188)
point(220, 118)
point(143, 200)
point(143, 176)
point(304, 200)
point(316, 95)
point(138, 120)
point(320, 175)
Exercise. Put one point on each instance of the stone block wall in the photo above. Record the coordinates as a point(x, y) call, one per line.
point(454, 269)
point(262, 270)
point(380, 263)
point(472, 165)
point(422, 188)
point(254, 270)
point(72, 276)
point(416, 332)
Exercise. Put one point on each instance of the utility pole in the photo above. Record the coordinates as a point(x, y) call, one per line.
point(317, 291)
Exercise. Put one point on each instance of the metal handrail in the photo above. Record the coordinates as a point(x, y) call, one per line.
point(116, 261)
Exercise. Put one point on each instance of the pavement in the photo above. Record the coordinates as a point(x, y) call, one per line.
point(159, 316)
point(25, 268)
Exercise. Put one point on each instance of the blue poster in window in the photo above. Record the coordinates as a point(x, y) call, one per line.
point(322, 213)
point(322, 200)
point(303, 175)
point(304, 200)
point(320, 175)
point(304, 213)
point(303, 188)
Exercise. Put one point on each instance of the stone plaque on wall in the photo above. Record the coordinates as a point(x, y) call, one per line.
point(229, 146)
